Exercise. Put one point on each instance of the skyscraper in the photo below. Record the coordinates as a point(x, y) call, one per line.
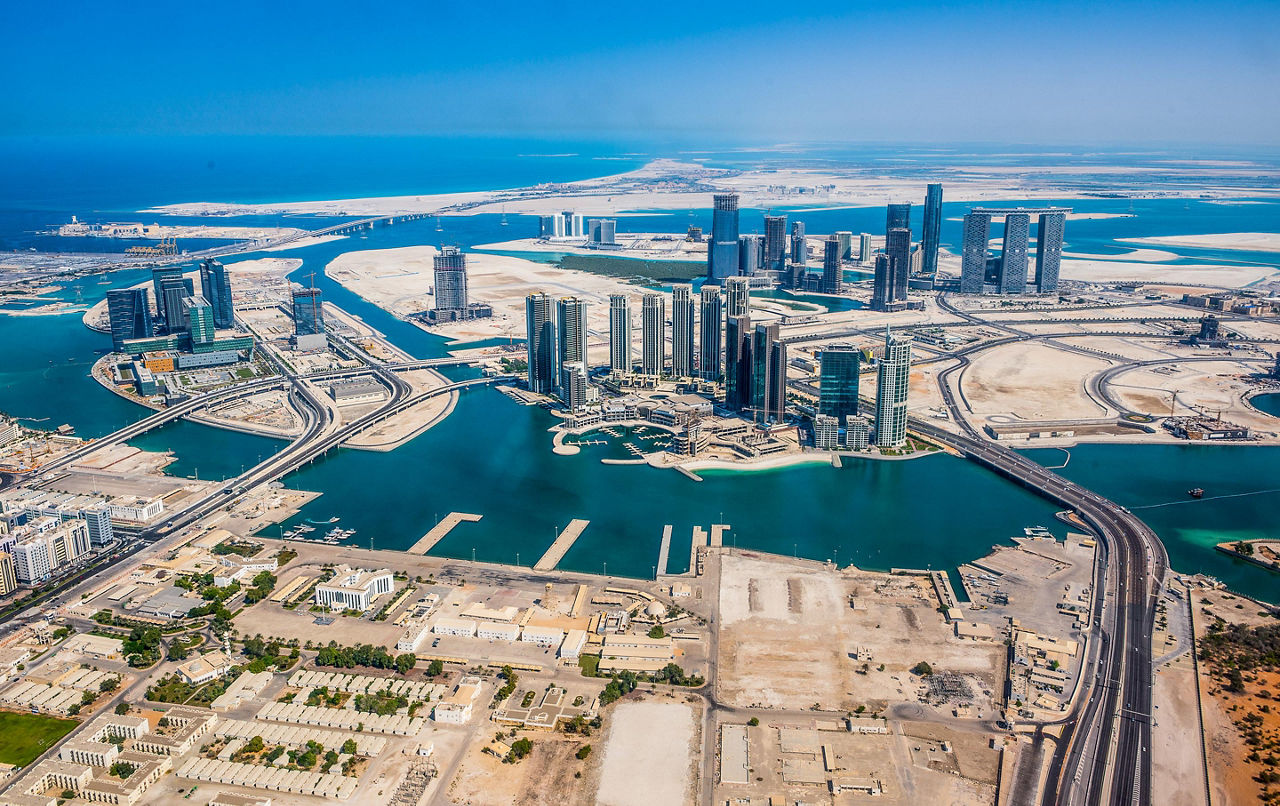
point(737, 297)
point(548, 226)
point(199, 317)
point(932, 229)
point(832, 274)
point(838, 381)
point(898, 247)
point(215, 287)
point(450, 279)
point(882, 284)
point(158, 275)
point(540, 348)
point(864, 248)
point(130, 315)
point(682, 317)
point(737, 362)
point(1013, 257)
point(619, 333)
point(768, 375)
point(973, 261)
point(709, 333)
point(775, 242)
point(1049, 231)
point(892, 383)
point(846, 244)
point(897, 216)
point(799, 247)
point(653, 323)
point(308, 312)
point(571, 342)
point(750, 248)
point(174, 289)
point(723, 251)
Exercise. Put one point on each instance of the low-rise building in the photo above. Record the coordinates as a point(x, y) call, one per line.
point(446, 625)
point(354, 588)
point(639, 653)
point(204, 668)
point(542, 636)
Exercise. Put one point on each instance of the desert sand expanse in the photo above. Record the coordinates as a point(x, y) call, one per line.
point(1032, 382)
point(1244, 241)
point(1109, 271)
point(1144, 255)
point(401, 281)
point(638, 771)
point(673, 185)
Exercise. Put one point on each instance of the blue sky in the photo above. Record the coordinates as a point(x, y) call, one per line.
point(921, 72)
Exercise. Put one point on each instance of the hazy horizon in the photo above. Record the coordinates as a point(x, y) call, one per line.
point(915, 73)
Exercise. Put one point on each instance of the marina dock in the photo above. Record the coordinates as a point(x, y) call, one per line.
point(561, 546)
point(665, 551)
point(717, 533)
point(441, 529)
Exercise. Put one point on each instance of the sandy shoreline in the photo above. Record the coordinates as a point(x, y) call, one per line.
point(1236, 241)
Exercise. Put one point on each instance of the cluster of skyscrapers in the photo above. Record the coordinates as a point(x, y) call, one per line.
point(600, 232)
point(556, 349)
point(980, 273)
point(837, 421)
point(185, 321)
point(899, 260)
point(777, 255)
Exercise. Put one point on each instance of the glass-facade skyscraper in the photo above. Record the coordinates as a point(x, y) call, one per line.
point(1013, 257)
point(775, 242)
point(653, 342)
point(308, 312)
point(768, 374)
point(897, 216)
point(832, 273)
point(571, 339)
point(129, 313)
point(838, 381)
point(932, 229)
point(722, 252)
point(619, 333)
point(709, 333)
point(737, 362)
point(682, 319)
point(540, 347)
point(215, 287)
point(799, 247)
point(892, 383)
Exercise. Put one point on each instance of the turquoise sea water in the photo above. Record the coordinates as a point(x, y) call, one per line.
point(493, 457)
point(1269, 403)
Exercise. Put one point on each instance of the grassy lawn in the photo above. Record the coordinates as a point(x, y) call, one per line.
point(23, 737)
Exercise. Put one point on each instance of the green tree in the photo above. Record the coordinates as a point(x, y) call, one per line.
point(435, 668)
point(583, 751)
point(122, 709)
point(657, 632)
point(923, 669)
point(349, 747)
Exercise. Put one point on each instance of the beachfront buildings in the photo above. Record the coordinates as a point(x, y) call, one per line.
point(768, 374)
point(571, 343)
point(682, 319)
point(891, 391)
point(737, 362)
point(709, 335)
point(540, 347)
point(838, 381)
point(653, 347)
point(723, 251)
point(980, 273)
point(620, 357)
point(932, 229)
point(353, 588)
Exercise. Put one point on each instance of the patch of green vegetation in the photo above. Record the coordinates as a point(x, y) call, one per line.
point(242, 548)
point(590, 665)
point(23, 737)
point(643, 270)
point(383, 703)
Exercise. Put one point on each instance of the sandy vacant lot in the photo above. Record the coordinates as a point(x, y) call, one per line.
point(1246, 241)
point(1032, 382)
point(650, 745)
point(1106, 271)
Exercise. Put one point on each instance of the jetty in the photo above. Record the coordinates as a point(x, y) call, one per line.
point(699, 541)
point(717, 534)
point(561, 546)
point(665, 551)
point(437, 533)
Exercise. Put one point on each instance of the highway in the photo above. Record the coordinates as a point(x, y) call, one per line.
point(1116, 710)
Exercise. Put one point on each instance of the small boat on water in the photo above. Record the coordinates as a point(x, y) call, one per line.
point(1196, 492)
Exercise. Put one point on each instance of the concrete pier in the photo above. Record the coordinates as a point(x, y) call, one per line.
point(665, 551)
point(441, 529)
point(562, 545)
point(717, 533)
point(699, 540)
